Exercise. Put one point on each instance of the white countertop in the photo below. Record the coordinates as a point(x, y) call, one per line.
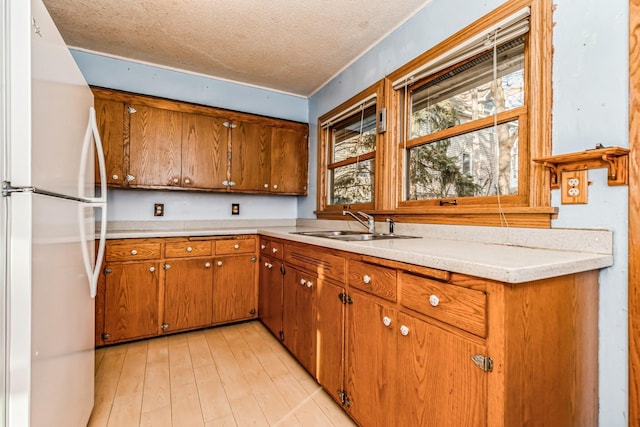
point(504, 262)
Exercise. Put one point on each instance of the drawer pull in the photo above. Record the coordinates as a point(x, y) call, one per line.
point(187, 181)
point(303, 282)
point(387, 321)
point(189, 249)
point(219, 263)
point(207, 265)
point(309, 283)
point(134, 252)
point(152, 269)
point(236, 246)
point(404, 330)
point(115, 177)
point(366, 279)
point(434, 300)
point(176, 180)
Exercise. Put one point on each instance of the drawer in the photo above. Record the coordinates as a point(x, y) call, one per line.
point(239, 246)
point(375, 279)
point(458, 306)
point(271, 248)
point(132, 251)
point(187, 249)
point(315, 260)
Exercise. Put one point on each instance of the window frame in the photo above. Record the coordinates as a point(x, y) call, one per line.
point(325, 146)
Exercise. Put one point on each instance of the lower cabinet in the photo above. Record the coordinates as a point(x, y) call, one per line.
point(154, 286)
point(406, 345)
point(130, 301)
point(298, 316)
point(188, 294)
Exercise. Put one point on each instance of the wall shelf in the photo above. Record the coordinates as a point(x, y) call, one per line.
point(615, 159)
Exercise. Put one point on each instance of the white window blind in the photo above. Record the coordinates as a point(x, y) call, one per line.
point(352, 109)
point(506, 30)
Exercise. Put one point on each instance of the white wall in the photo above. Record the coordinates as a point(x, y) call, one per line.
point(149, 80)
point(590, 106)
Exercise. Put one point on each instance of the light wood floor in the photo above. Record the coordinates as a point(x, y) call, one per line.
point(236, 375)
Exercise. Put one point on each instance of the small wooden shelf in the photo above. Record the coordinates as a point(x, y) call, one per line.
point(615, 159)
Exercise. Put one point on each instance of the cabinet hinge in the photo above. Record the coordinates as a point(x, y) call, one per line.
point(344, 298)
point(254, 259)
point(107, 270)
point(281, 335)
point(106, 336)
point(483, 362)
point(132, 110)
point(344, 398)
point(282, 270)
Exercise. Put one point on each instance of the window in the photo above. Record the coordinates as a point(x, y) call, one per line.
point(348, 146)
point(474, 109)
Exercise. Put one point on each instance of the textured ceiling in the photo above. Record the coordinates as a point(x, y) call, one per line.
point(293, 46)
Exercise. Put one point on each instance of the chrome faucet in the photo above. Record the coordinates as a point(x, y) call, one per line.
point(370, 224)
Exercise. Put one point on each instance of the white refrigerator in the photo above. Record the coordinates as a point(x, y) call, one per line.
point(48, 212)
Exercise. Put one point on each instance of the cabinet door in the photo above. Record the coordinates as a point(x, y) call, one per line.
point(204, 151)
point(131, 301)
point(110, 119)
point(270, 303)
point(188, 293)
point(439, 383)
point(330, 337)
point(289, 158)
point(235, 293)
point(298, 315)
point(371, 346)
point(250, 162)
point(154, 146)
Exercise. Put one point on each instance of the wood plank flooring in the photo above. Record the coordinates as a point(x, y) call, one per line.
point(237, 375)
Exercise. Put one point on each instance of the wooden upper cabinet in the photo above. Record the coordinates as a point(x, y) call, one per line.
point(204, 151)
point(155, 146)
point(110, 118)
point(159, 143)
point(289, 158)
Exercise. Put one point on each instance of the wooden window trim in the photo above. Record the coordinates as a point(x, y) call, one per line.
point(325, 209)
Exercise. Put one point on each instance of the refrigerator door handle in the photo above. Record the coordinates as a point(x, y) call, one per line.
point(93, 273)
point(92, 131)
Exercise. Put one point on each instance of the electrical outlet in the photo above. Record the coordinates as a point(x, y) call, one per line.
point(158, 209)
point(574, 187)
point(235, 209)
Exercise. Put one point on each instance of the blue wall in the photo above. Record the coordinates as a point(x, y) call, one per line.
point(590, 80)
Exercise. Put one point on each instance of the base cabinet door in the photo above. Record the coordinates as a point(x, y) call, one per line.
point(298, 317)
point(438, 383)
point(330, 311)
point(130, 301)
point(270, 294)
point(188, 294)
point(371, 359)
point(235, 288)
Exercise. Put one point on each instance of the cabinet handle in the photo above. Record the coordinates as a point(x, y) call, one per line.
point(189, 249)
point(115, 177)
point(434, 300)
point(263, 246)
point(275, 186)
point(219, 263)
point(152, 269)
point(387, 321)
point(130, 178)
point(225, 183)
point(303, 282)
point(404, 330)
point(309, 283)
point(274, 250)
point(366, 279)
point(134, 252)
point(236, 246)
point(266, 186)
point(207, 264)
point(231, 183)
point(187, 181)
point(175, 180)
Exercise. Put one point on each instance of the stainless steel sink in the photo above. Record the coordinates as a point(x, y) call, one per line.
point(352, 236)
